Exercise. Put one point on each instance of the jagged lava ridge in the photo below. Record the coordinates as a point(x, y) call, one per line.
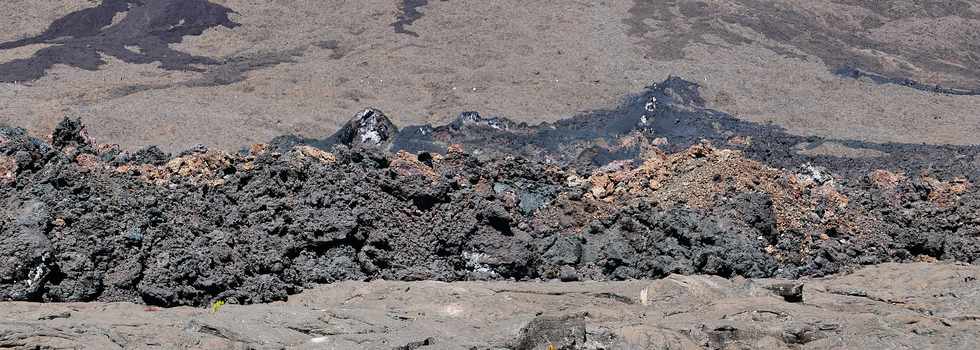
point(661, 185)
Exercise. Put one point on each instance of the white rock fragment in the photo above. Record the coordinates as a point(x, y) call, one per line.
point(651, 105)
point(371, 136)
point(318, 340)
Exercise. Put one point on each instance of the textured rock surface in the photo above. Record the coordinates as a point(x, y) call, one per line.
point(82, 221)
point(890, 306)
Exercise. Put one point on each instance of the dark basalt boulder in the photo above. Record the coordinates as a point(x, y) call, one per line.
point(370, 128)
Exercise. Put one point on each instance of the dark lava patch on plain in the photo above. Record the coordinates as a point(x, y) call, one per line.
point(409, 14)
point(671, 115)
point(875, 37)
point(142, 36)
point(854, 73)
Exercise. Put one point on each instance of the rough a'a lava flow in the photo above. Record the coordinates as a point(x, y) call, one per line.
point(660, 185)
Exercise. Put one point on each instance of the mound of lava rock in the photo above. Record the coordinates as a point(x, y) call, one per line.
point(81, 221)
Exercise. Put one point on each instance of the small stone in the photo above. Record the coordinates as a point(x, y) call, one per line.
point(63, 314)
point(554, 331)
point(568, 274)
point(790, 291)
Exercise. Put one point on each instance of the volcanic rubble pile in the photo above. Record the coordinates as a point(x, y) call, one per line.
point(80, 221)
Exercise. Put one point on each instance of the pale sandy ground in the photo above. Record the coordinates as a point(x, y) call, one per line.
point(531, 61)
point(892, 306)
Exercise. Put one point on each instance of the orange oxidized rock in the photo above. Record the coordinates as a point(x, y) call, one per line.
point(8, 170)
point(407, 164)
